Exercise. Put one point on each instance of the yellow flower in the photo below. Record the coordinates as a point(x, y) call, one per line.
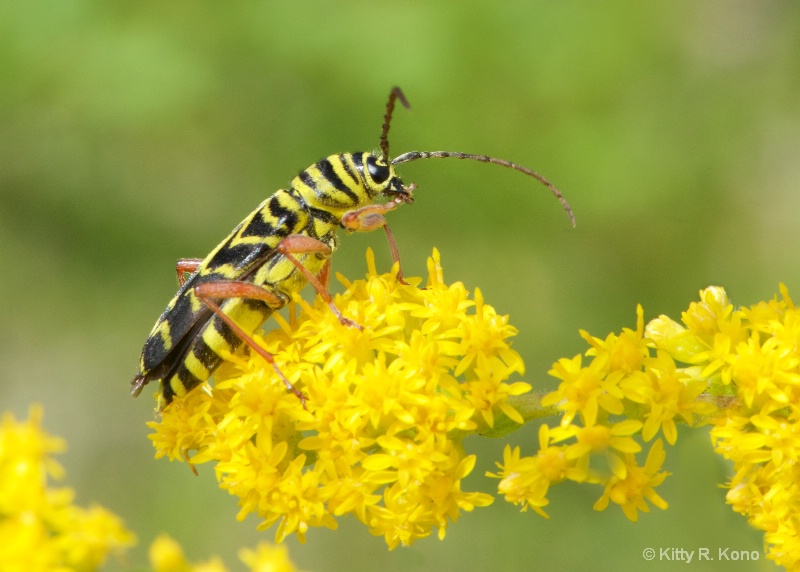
point(525, 481)
point(166, 555)
point(766, 373)
point(40, 528)
point(584, 390)
point(267, 558)
point(673, 395)
point(624, 352)
point(703, 318)
point(611, 441)
point(388, 409)
point(750, 358)
point(624, 395)
point(638, 484)
point(676, 340)
point(386, 412)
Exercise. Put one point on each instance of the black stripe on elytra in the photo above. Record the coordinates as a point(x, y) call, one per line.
point(184, 324)
point(177, 354)
point(154, 352)
point(286, 217)
point(230, 254)
point(258, 226)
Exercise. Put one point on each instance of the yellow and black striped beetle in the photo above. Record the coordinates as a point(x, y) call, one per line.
point(284, 243)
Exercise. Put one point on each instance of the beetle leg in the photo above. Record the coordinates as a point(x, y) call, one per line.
point(302, 244)
point(186, 266)
point(235, 289)
point(370, 218)
point(324, 275)
point(395, 254)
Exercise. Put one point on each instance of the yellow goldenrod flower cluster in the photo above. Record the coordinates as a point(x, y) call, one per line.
point(40, 528)
point(738, 369)
point(626, 389)
point(387, 409)
point(166, 555)
point(752, 356)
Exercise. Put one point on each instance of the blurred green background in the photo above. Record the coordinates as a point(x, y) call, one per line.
point(136, 133)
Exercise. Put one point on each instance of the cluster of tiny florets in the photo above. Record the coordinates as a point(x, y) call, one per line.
point(737, 369)
point(387, 409)
point(40, 527)
point(627, 394)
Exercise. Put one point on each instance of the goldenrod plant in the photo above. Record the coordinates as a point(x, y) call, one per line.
point(381, 434)
point(42, 530)
point(40, 527)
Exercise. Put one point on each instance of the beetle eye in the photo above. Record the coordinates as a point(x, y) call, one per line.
point(379, 173)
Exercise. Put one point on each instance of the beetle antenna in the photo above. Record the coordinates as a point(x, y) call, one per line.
point(415, 155)
point(396, 93)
